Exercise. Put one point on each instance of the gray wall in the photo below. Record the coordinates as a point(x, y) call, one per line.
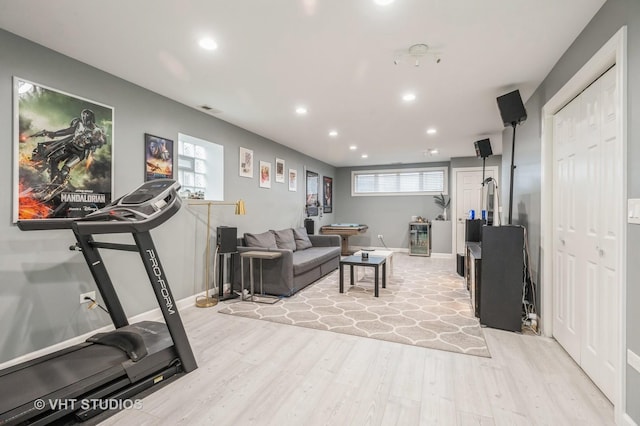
point(41, 280)
point(390, 215)
point(612, 16)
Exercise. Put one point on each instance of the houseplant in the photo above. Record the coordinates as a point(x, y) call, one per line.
point(443, 203)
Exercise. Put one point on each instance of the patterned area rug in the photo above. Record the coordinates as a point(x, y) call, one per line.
point(425, 304)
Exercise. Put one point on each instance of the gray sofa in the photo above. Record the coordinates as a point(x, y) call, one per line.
point(305, 259)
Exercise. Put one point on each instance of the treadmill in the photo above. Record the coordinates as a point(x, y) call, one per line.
point(104, 372)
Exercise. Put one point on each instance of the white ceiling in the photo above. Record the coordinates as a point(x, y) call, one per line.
point(336, 57)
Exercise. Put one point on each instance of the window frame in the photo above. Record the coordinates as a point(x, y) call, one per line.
point(443, 169)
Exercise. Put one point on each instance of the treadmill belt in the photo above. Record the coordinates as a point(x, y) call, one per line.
point(79, 367)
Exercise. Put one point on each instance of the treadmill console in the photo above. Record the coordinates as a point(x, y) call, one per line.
point(144, 208)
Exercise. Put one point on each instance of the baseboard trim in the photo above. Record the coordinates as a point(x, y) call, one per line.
point(628, 421)
point(152, 315)
point(633, 360)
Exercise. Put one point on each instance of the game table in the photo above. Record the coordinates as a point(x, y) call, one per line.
point(345, 230)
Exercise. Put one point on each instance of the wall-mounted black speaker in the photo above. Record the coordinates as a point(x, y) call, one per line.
point(511, 108)
point(227, 239)
point(483, 148)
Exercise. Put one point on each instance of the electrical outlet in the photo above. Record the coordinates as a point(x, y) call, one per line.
point(380, 236)
point(91, 294)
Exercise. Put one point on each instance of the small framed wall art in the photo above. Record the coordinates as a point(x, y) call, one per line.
point(327, 194)
point(265, 174)
point(279, 170)
point(246, 162)
point(158, 154)
point(293, 180)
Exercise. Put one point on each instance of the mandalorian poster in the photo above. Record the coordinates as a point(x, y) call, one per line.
point(63, 149)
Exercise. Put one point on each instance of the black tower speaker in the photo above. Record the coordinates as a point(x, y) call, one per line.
point(483, 148)
point(310, 226)
point(227, 239)
point(511, 108)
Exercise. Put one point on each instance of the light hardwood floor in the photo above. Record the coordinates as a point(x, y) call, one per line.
point(254, 372)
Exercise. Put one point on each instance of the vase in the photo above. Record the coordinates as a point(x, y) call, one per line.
point(444, 214)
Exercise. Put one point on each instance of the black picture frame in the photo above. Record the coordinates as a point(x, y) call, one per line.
point(312, 202)
point(327, 194)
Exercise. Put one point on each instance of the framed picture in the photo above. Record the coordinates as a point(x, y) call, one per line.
point(327, 194)
point(312, 194)
point(63, 151)
point(279, 170)
point(158, 155)
point(246, 162)
point(265, 174)
point(293, 180)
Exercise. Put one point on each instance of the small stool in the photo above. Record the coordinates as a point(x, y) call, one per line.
point(269, 255)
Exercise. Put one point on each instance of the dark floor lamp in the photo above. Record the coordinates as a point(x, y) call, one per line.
point(513, 113)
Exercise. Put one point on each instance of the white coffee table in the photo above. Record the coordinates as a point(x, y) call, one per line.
point(381, 253)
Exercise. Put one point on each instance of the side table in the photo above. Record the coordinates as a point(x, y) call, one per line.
point(255, 254)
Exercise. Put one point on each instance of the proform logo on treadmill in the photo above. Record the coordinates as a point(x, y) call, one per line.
point(155, 267)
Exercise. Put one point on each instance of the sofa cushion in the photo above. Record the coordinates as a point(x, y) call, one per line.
point(285, 239)
point(302, 239)
point(305, 260)
point(264, 240)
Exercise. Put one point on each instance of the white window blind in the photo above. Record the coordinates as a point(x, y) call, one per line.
point(427, 181)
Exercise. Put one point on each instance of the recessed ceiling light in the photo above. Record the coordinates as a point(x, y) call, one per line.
point(301, 110)
point(365, 156)
point(431, 131)
point(433, 151)
point(333, 133)
point(208, 43)
point(353, 147)
point(383, 2)
point(408, 97)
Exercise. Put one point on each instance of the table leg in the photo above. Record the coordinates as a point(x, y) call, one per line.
point(351, 274)
point(384, 274)
point(261, 289)
point(345, 245)
point(376, 281)
point(251, 276)
point(241, 278)
point(341, 278)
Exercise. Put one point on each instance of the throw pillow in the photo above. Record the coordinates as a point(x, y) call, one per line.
point(285, 239)
point(264, 240)
point(302, 239)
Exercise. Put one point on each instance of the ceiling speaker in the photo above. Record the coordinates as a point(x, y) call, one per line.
point(483, 148)
point(511, 108)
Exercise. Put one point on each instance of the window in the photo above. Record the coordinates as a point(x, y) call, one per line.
point(426, 181)
point(200, 168)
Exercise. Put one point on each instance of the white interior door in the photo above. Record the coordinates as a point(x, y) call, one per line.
point(587, 213)
point(469, 196)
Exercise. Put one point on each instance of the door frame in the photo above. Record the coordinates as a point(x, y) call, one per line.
point(453, 192)
point(612, 52)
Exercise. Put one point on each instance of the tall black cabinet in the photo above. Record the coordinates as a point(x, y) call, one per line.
point(502, 277)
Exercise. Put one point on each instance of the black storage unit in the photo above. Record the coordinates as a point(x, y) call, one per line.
point(473, 230)
point(502, 277)
point(474, 265)
point(460, 264)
